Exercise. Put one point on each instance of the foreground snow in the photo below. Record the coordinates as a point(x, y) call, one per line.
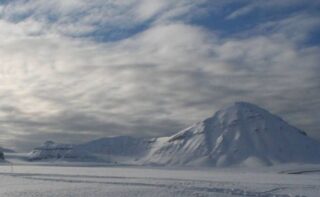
point(59, 181)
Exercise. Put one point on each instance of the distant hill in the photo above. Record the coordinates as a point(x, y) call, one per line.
point(1, 156)
point(119, 145)
point(52, 151)
point(6, 150)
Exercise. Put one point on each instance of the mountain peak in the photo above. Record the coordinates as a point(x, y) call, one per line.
point(239, 134)
point(240, 112)
point(241, 105)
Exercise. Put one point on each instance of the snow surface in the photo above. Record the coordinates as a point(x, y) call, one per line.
point(241, 134)
point(58, 181)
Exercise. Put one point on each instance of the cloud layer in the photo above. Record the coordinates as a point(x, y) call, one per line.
point(80, 70)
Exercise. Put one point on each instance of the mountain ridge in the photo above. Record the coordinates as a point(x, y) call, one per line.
point(239, 134)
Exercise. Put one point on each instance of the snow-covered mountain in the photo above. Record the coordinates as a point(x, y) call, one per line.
point(53, 151)
point(1, 156)
point(241, 134)
point(3, 151)
point(6, 150)
point(119, 145)
point(119, 149)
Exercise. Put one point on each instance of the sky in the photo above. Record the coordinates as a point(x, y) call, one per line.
point(72, 71)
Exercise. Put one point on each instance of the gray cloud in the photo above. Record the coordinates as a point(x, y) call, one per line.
point(58, 86)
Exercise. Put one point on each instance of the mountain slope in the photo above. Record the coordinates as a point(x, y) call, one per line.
point(1, 156)
point(6, 150)
point(241, 134)
point(119, 145)
point(119, 149)
point(53, 151)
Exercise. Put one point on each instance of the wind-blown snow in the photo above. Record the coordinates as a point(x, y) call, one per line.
point(241, 134)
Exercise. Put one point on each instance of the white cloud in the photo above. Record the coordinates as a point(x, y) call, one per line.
point(149, 8)
point(83, 17)
point(240, 12)
point(153, 82)
point(297, 28)
point(270, 5)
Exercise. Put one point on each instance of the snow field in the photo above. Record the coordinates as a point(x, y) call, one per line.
point(59, 181)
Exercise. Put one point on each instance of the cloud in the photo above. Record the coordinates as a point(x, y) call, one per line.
point(272, 6)
point(148, 9)
point(108, 19)
point(297, 28)
point(59, 81)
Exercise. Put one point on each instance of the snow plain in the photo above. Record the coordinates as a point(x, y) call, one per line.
point(66, 179)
